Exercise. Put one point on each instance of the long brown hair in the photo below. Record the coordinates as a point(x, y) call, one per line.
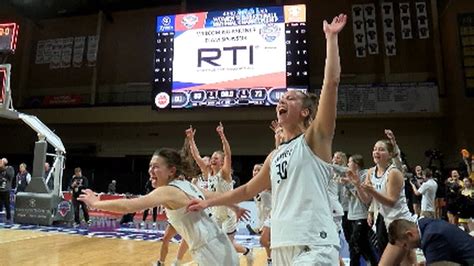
point(174, 159)
point(310, 101)
point(359, 160)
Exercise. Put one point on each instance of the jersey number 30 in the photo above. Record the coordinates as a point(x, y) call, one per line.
point(282, 169)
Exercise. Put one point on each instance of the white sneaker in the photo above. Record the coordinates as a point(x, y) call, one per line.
point(250, 257)
point(176, 263)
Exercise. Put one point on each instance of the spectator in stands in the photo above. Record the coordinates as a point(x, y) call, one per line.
point(468, 163)
point(418, 180)
point(6, 176)
point(439, 240)
point(47, 170)
point(453, 194)
point(23, 178)
point(428, 192)
point(440, 194)
point(466, 210)
point(112, 189)
point(78, 184)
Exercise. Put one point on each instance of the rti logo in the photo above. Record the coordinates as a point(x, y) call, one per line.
point(212, 56)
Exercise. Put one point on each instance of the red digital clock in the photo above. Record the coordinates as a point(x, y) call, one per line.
point(8, 37)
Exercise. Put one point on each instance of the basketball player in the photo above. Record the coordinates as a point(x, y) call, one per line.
point(299, 170)
point(220, 180)
point(170, 232)
point(385, 184)
point(207, 243)
point(263, 202)
point(359, 243)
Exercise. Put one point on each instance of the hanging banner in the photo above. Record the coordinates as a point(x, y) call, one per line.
point(388, 29)
point(92, 45)
point(78, 51)
point(371, 29)
point(405, 21)
point(56, 48)
point(466, 35)
point(66, 52)
point(358, 29)
point(422, 19)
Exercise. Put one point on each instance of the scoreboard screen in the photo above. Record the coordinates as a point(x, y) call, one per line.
point(8, 37)
point(239, 57)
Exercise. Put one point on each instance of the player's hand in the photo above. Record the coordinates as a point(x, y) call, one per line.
point(370, 219)
point(196, 205)
point(389, 134)
point(89, 198)
point(354, 178)
point(190, 132)
point(220, 129)
point(274, 126)
point(242, 214)
point(369, 188)
point(336, 25)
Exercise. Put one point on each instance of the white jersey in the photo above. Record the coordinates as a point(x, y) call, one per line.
point(400, 209)
point(334, 203)
point(202, 183)
point(217, 184)
point(207, 243)
point(301, 212)
point(263, 202)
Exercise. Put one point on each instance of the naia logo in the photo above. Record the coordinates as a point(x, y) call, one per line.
point(64, 207)
point(190, 20)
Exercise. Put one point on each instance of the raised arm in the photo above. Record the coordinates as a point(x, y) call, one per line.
point(247, 191)
point(159, 196)
point(227, 167)
point(190, 132)
point(321, 131)
point(397, 157)
point(468, 161)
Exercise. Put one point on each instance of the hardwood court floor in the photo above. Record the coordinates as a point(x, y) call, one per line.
point(26, 247)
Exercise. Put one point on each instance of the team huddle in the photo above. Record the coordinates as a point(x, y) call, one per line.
point(303, 220)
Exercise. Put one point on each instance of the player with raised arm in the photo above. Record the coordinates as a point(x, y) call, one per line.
point(220, 180)
point(207, 243)
point(385, 185)
point(299, 170)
